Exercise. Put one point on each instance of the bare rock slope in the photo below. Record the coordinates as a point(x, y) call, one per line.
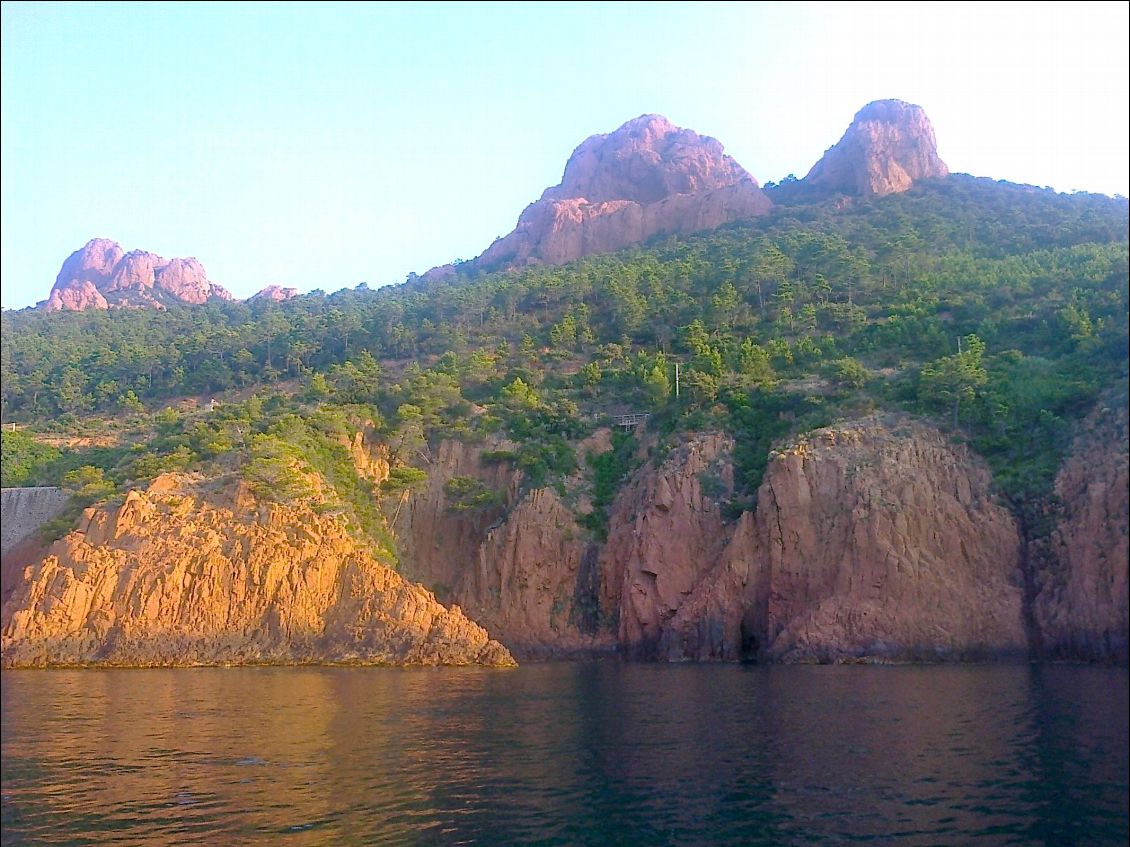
point(182, 574)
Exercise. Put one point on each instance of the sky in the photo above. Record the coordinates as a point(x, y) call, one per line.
point(324, 145)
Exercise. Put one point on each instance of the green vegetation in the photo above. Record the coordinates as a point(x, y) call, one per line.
point(468, 494)
point(23, 458)
point(609, 470)
point(1000, 310)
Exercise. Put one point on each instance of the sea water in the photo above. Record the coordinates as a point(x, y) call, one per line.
point(599, 753)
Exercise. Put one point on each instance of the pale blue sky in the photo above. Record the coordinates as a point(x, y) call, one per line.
point(319, 146)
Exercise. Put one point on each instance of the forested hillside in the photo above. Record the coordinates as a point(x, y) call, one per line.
point(1000, 310)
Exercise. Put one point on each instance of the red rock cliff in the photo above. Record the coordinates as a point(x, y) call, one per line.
point(1081, 606)
point(665, 534)
point(874, 539)
point(523, 568)
point(879, 538)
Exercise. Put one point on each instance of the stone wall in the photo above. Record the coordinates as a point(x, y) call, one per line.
point(24, 510)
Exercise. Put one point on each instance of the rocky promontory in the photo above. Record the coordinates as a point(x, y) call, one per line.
point(188, 573)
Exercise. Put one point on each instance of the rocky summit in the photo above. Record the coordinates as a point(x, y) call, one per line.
point(889, 146)
point(646, 178)
point(277, 293)
point(102, 276)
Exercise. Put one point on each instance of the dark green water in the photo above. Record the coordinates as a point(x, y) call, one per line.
point(600, 753)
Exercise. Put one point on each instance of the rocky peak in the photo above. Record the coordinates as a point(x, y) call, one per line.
point(889, 146)
point(137, 270)
point(186, 280)
point(101, 275)
point(646, 160)
point(620, 188)
point(274, 292)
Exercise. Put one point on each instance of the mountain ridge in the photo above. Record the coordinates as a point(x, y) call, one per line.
point(647, 177)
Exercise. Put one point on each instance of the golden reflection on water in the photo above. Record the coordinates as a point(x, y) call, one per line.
point(597, 753)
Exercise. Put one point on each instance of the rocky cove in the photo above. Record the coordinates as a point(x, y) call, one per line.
point(876, 540)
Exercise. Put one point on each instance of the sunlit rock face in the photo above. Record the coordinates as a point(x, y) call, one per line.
point(889, 146)
point(185, 573)
point(276, 293)
point(620, 188)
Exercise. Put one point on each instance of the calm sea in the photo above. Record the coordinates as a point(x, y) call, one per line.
point(596, 753)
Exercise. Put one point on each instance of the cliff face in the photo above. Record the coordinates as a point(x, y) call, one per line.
point(665, 533)
point(888, 147)
point(880, 538)
point(181, 575)
point(101, 275)
point(527, 582)
point(523, 568)
point(871, 540)
point(1081, 605)
point(439, 546)
point(647, 177)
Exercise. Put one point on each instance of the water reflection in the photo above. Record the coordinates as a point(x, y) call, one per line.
point(600, 753)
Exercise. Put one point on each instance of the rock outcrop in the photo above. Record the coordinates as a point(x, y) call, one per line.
point(438, 546)
point(521, 567)
point(527, 582)
point(874, 540)
point(647, 177)
point(184, 574)
point(665, 534)
point(274, 292)
point(1081, 605)
point(101, 276)
point(881, 539)
point(889, 146)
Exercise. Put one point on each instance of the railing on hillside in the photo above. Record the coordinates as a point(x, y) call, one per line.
point(631, 421)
